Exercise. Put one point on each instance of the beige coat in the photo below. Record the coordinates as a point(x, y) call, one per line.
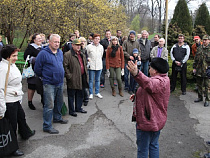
point(154, 52)
point(95, 54)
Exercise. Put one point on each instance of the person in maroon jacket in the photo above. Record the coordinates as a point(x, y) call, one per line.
point(150, 105)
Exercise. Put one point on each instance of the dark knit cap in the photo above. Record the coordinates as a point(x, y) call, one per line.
point(160, 65)
point(132, 32)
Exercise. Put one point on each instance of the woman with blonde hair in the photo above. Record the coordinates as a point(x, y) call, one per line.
point(115, 64)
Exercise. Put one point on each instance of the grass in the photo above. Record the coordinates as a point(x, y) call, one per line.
point(18, 39)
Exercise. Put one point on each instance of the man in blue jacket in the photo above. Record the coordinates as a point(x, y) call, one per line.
point(49, 66)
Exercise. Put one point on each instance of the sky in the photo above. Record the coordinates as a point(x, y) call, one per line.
point(193, 5)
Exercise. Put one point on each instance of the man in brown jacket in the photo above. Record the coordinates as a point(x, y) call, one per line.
point(128, 47)
point(76, 77)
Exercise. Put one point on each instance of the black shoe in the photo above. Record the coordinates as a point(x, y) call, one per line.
point(85, 103)
point(31, 106)
point(206, 103)
point(18, 153)
point(183, 93)
point(32, 133)
point(208, 143)
point(198, 100)
point(61, 121)
point(207, 155)
point(51, 131)
point(82, 111)
point(73, 114)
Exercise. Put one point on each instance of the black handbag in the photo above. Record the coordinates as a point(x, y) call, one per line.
point(8, 140)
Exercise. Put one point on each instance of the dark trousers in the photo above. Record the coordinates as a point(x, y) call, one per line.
point(16, 116)
point(102, 77)
point(183, 73)
point(86, 95)
point(78, 95)
point(133, 84)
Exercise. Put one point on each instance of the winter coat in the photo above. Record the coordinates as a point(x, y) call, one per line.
point(105, 43)
point(33, 52)
point(154, 53)
point(128, 47)
point(194, 48)
point(117, 61)
point(72, 69)
point(180, 53)
point(145, 49)
point(14, 91)
point(202, 60)
point(49, 66)
point(151, 100)
point(95, 54)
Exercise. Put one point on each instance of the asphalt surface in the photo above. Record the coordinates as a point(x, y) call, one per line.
point(106, 131)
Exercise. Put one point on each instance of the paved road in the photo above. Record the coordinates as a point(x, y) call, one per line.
point(106, 131)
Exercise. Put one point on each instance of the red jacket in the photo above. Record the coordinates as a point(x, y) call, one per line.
point(152, 99)
point(194, 48)
point(117, 61)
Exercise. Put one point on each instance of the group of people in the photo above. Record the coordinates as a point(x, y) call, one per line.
point(85, 63)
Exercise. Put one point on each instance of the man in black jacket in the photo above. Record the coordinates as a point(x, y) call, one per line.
point(105, 43)
point(68, 45)
point(179, 55)
point(119, 33)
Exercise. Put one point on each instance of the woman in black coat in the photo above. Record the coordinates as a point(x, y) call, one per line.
point(32, 50)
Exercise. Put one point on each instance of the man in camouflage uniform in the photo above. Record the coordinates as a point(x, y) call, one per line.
point(200, 65)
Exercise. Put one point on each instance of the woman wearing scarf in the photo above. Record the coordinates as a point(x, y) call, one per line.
point(34, 82)
point(115, 64)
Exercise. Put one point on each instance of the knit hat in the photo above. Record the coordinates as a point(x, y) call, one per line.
point(132, 32)
point(160, 65)
point(135, 51)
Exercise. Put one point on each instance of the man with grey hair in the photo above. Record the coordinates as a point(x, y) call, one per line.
point(145, 46)
point(159, 51)
point(49, 66)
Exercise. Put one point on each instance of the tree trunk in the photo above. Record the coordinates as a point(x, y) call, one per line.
point(24, 38)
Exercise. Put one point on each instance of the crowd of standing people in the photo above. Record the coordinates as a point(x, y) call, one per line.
point(85, 63)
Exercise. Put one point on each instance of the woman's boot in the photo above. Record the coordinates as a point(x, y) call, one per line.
point(113, 91)
point(121, 92)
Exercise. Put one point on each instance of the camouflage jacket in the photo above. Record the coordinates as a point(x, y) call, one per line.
point(202, 60)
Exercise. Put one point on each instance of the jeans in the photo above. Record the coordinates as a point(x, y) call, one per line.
point(117, 71)
point(147, 141)
point(97, 74)
point(133, 84)
point(145, 67)
point(78, 95)
point(126, 74)
point(53, 102)
point(102, 78)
